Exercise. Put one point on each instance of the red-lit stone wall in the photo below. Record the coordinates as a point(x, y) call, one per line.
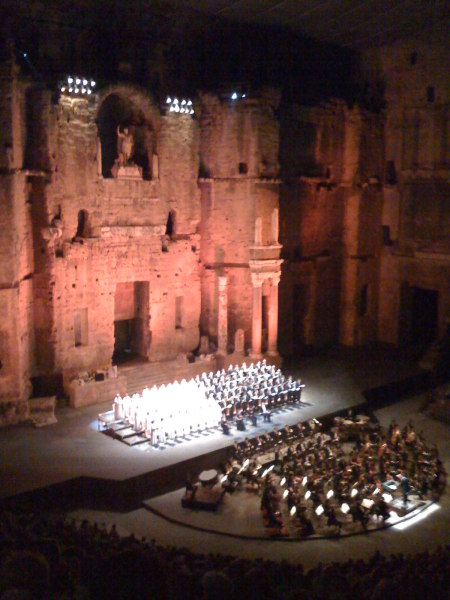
point(16, 260)
point(330, 225)
point(124, 239)
point(239, 165)
point(416, 207)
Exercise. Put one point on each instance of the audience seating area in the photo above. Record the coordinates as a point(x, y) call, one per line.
point(44, 556)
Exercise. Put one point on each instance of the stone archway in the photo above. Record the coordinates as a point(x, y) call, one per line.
point(118, 110)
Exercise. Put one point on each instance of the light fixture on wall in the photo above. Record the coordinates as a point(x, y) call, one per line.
point(77, 85)
point(237, 96)
point(182, 107)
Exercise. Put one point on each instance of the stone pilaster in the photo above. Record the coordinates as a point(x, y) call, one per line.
point(256, 316)
point(272, 349)
point(222, 315)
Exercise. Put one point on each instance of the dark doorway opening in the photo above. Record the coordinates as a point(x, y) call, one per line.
point(170, 225)
point(82, 224)
point(124, 340)
point(424, 316)
point(299, 310)
point(265, 323)
point(418, 317)
point(131, 321)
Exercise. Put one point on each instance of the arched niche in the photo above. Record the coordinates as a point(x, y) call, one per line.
point(171, 224)
point(82, 225)
point(118, 110)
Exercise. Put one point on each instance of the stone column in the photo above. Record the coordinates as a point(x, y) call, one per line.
point(99, 158)
point(222, 315)
point(273, 316)
point(256, 316)
point(258, 231)
point(275, 226)
point(350, 270)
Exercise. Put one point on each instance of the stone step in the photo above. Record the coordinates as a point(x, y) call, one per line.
point(42, 411)
point(149, 374)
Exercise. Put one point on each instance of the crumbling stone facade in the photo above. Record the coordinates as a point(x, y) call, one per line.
point(258, 223)
point(414, 291)
point(239, 224)
point(102, 258)
point(330, 225)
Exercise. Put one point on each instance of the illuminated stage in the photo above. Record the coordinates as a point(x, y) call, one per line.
point(72, 465)
point(167, 414)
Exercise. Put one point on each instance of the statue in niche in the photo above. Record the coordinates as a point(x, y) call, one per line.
point(124, 167)
point(125, 145)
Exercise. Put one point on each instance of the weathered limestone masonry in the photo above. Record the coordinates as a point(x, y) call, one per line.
point(330, 216)
point(239, 226)
point(93, 264)
point(130, 230)
point(414, 288)
point(362, 234)
point(114, 232)
point(16, 260)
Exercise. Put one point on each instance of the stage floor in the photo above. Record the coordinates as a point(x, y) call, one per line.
point(249, 538)
point(73, 449)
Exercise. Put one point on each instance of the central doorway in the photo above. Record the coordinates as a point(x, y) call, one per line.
point(418, 316)
point(131, 321)
point(299, 311)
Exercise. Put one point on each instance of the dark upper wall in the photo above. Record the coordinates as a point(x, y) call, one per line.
point(169, 49)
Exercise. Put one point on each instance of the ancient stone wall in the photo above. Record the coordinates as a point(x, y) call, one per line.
point(310, 231)
point(416, 209)
point(16, 259)
point(310, 224)
point(84, 235)
point(125, 238)
point(239, 202)
point(330, 228)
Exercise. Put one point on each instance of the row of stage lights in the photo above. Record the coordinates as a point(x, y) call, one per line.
point(185, 106)
point(78, 85)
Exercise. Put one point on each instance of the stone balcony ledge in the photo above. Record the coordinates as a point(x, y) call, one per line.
point(269, 252)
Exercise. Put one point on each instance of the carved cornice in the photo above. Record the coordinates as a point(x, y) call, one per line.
point(265, 270)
